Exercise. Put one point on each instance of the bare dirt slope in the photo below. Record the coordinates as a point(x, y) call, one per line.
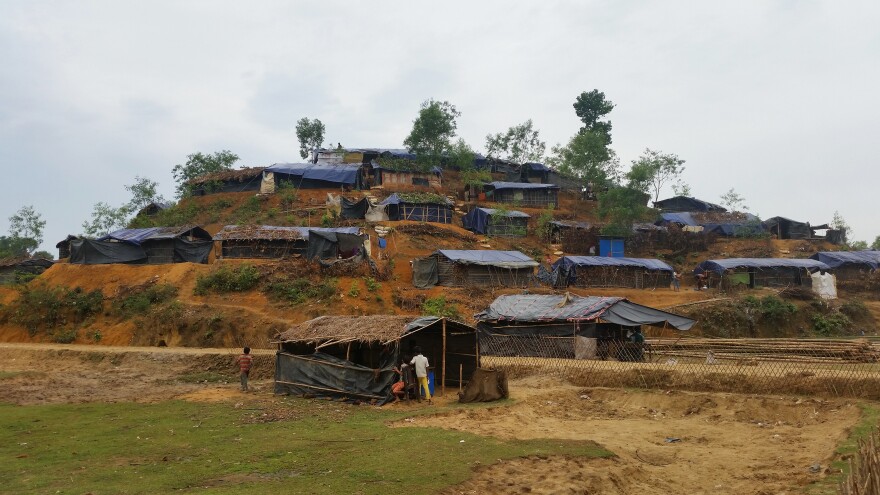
point(727, 443)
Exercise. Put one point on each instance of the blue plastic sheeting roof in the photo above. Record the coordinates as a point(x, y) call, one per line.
point(340, 173)
point(647, 263)
point(540, 167)
point(545, 308)
point(719, 266)
point(507, 213)
point(506, 259)
point(521, 185)
point(679, 218)
point(477, 220)
point(694, 203)
point(835, 259)
point(394, 199)
point(378, 166)
point(132, 236)
point(276, 232)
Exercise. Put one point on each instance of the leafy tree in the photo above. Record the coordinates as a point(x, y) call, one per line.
point(28, 226)
point(586, 156)
point(432, 131)
point(199, 164)
point(143, 192)
point(46, 255)
point(520, 144)
point(591, 106)
point(655, 169)
point(838, 223)
point(460, 156)
point(310, 134)
point(733, 201)
point(681, 188)
point(106, 219)
point(620, 208)
point(16, 246)
point(858, 245)
point(876, 244)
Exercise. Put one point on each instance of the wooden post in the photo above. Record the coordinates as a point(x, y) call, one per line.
point(443, 366)
point(348, 351)
point(460, 377)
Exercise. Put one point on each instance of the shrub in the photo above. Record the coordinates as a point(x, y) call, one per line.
point(438, 306)
point(372, 284)
point(831, 324)
point(48, 307)
point(299, 290)
point(543, 228)
point(354, 290)
point(770, 308)
point(64, 336)
point(141, 301)
point(855, 309)
point(225, 279)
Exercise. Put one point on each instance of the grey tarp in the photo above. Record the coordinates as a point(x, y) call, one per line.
point(192, 251)
point(484, 386)
point(834, 259)
point(720, 265)
point(324, 244)
point(323, 375)
point(91, 252)
point(425, 273)
point(354, 210)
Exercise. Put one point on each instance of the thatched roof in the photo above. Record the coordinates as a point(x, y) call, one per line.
point(382, 328)
point(240, 175)
point(261, 233)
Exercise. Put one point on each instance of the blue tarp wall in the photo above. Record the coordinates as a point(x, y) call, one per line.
point(835, 259)
point(317, 175)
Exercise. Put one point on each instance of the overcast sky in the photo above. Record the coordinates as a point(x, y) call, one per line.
point(779, 100)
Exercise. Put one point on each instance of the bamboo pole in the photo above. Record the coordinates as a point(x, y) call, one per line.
point(460, 376)
point(443, 366)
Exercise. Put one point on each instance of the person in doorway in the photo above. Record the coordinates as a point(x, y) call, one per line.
point(420, 363)
point(398, 388)
point(676, 281)
point(244, 362)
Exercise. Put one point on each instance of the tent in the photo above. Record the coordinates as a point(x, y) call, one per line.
point(567, 326)
point(418, 207)
point(849, 264)
point(524, 193)
point(759, 272)
point(352, 357)
point(92, 252)
point(600, 271)
point(475, 267)
point(317, 175)
point(490, 221)
point(332, 243)
point(354, 210)
point(537, 173)
point(161, 245)
point(685, 203)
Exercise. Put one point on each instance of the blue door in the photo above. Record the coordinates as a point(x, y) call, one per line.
point(612, 248)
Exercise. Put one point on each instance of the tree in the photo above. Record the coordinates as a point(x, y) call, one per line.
point(27, 225)
point(858, 245)
point(432, 131)
point(590, 107)
point(587, 157)
point(16, 246)
point(143, 192)
point(520, 144)
point(838, 223)
point(876, 244)
point(106, 219)
point(199, 164)
point(656, 169)
point(620, 208)
point(733, 201)
point(681, 188)
point(46, 255)
point(310, 134)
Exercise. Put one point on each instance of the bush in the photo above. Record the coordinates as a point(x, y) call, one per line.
point(437, 306)
point(372, 285)
point(354, 290)
point(855, 309)
point(64, 336)
point(141, 301)
point(48, 307)
point(831, 324)
point(770, 308)
point(225, 279)
point(300, 290)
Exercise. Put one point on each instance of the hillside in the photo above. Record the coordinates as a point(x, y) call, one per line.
point(158, 304)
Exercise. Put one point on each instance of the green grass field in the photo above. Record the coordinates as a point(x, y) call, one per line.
point(271, 446)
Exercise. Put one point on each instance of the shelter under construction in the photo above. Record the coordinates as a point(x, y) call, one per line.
point(523, 193)
point(460, 268)
point(600, 271)
point(353, 357)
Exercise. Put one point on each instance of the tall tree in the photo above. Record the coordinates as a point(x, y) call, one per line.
point(520, 144)
point(655, 169)
point(586, 156)
point(876, 244)
point(27, 225)
point(591, 106)
point(620, 208)
point(733, 201)
point(310, 134)
point(143, 192)
point(16, 246)
point(106, 219)
point(199, 164)
point(433, 130)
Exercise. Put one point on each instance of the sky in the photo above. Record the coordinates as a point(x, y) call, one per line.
point(779, 100)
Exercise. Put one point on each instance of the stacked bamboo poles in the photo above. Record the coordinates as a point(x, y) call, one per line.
point(864, 476)
point(804, 350)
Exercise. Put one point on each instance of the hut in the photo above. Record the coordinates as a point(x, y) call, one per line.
point(496, 222)
point(64, 246)
point(316, 175)
point(686, 204)
point(418, 207)
point(786, 228)
point(714, 222)
point(21, 268)
point(849, 265)
point(536, 173)
point(403, 175)
point(153, 208)
point(524, 193)
point(240, 180)
point(161, 245)
point(474, 268)
point(568, 326)
point(276, 242)
point(758, 272)
point(93, 252)
point(600, 271)
point(353, 357)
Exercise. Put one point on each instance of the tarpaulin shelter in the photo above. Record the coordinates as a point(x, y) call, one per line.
point(161, 245)
point(496, 222)
point(317, 175)
point(153, 208)
point(270, 241)
point(239, 180)
point(685, 203)
point(576, 237)
point(12, 269)
point(390, 176)
point(354, 210)
point(524, 193)
point(92, 252)
point(352, 357)
point(537, 173)
point(720, 223)
point(418, 207)
point(64, 246)
point(474, 268)
point(759, 272)
point(849, 264)
point(599, 271)
point(786, 228)
point(333, 243)
point(556, 325)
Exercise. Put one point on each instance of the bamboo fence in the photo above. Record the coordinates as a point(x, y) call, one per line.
point(864, 475)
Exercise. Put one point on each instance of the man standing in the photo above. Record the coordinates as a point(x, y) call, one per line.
point(676, 281)
point(421, 364)
point(244, 363)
